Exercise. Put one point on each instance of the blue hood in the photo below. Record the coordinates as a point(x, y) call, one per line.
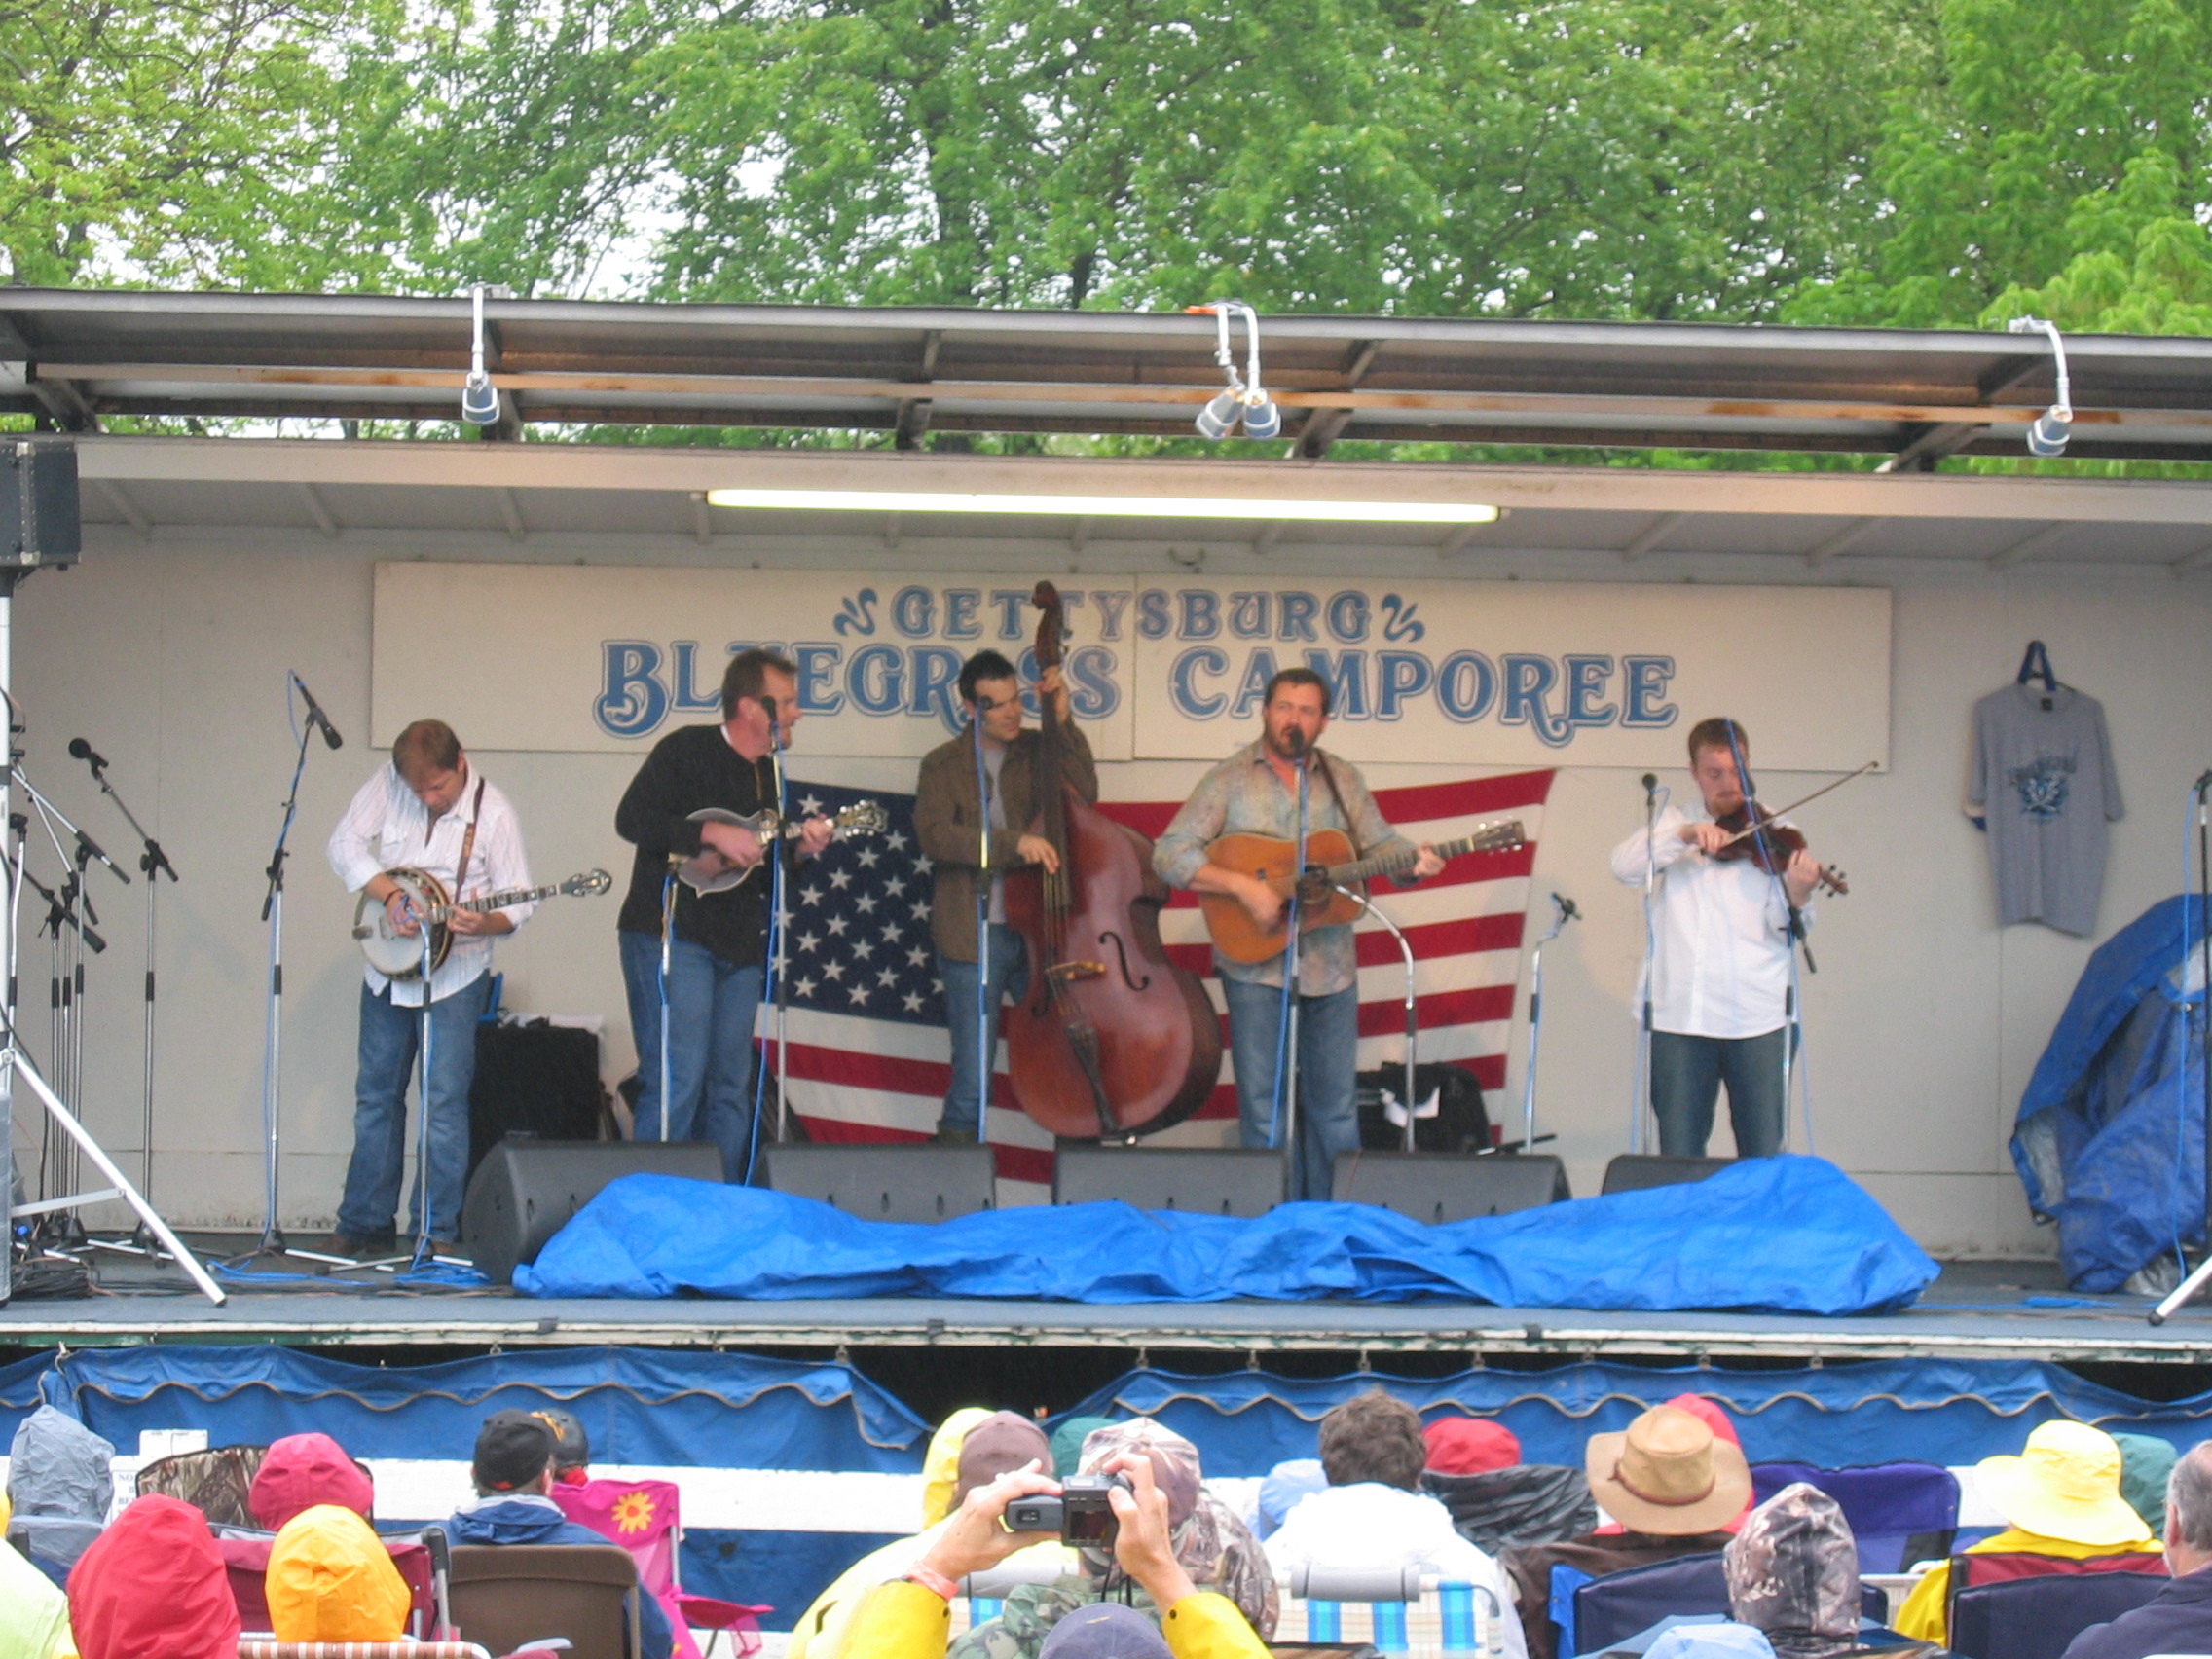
point(512, 1522)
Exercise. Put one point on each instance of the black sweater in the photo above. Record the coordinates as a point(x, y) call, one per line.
point(694, 767)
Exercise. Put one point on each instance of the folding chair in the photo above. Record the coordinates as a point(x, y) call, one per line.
point(1900, 1513)
point(1470, 1615)
point(216, 1482)
point(261, 1647)
point(645, 1518)
point(420, 1559)
point(507, 1596)
point(2038, 1618)
point(1609, 1611)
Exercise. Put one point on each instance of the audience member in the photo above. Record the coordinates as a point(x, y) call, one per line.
point(61, 1482)
point(513, 1473)
point(941, 1464)
point(34, 1613)
point(1672, 1485)
point(1496, 1501)
point(1371, 1518)
point(331, 1579)
point(1793, 1574)
point(1714, 1417)
point(2060, 1497)
point(2146, 1466)
point(2179, 1618)
point(571, 1447)
point(152, 1587)
point(1282, 1491)
point(1215, 1549)
point(999, 1444)
point(302, 1471)
point(909, 1619)
point(1067, 1443)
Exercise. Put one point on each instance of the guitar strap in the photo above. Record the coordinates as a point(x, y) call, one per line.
point(1352, 830)
point(469, 840)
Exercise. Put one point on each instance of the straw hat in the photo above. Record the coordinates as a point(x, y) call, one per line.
point(2065, 1485)
point(1669, 1475)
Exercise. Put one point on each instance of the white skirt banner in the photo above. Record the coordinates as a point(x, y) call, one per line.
point(1481, 674)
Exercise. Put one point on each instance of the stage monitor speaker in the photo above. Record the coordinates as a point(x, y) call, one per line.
point(526, 1190)
point(1436, 1187)
point(876, 1180)
point(1200, 1180)
point(1633, 1172)
point(39, 522)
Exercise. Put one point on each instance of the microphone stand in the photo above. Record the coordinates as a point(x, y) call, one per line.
point(1282, 1115)
point(1413, 1017)
point(772, 958)
point(2183, 1293)
point(153, 863)
point(1563, 913)
point(1640, 1104)
point(986, 1049)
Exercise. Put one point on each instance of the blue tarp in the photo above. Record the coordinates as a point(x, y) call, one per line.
point(638, 1406)
point(1784, 1235)
point(2110, 1135)
point(1939, 1411)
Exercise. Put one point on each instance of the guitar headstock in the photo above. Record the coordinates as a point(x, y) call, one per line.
point(1497, 838)
point(588, 884)
point(863, 818)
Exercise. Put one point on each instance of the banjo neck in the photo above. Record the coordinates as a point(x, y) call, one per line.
point(495, 900)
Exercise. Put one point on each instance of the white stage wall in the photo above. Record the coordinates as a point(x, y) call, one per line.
point(1924, 1020)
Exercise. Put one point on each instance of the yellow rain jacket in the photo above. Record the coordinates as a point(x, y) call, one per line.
point(1926, 1615)
point(34, 1613)
point(331, 1579)
point(904, 1621)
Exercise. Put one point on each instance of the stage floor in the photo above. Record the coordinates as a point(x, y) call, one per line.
point(1975, 1311)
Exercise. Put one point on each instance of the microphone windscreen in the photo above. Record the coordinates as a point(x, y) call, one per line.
point(79, 749)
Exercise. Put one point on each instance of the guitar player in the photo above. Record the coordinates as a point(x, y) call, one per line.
point(1255, 792)
point(719, 947)
point(430, 810)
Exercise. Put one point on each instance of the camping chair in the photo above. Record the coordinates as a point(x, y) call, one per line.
point(51, 1544)
point(1973, 1572)
point(508, 1596)
point(420, 1559)
point(1470, 1615)
point(645, 1518)
point(2039, 1617)
point(1594, 1614)
point(262, 1647)
point(215, 1482)
point(1900, 1513)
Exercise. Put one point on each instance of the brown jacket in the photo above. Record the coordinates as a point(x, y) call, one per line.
point(948, 811)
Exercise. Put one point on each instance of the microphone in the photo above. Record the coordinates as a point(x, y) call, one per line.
point(1566, 908)
point(2203, 784)
point(316, 715)
point(1651, 782)
point(1294, 740)
point(80, 750)
point(769, 705)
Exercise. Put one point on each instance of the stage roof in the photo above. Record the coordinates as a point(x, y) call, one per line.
point(80, 357)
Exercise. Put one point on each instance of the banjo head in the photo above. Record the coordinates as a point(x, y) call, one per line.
point(397, 955)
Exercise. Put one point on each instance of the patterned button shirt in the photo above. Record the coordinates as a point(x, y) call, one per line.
point(1244, 795)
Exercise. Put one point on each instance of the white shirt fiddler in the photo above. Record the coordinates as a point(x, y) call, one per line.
point(387, 825)
point(1721, 949)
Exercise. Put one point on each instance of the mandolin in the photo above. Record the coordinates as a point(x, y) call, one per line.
point(400, 956)
point(707, 871)
point(1330, 863)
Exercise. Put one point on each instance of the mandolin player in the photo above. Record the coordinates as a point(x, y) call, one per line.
point(720, 948)
point(1718, 977)
point(1255, 792)
point(429, 810)
point(949, 822)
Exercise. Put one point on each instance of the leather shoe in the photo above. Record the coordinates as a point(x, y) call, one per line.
point(358, 1250)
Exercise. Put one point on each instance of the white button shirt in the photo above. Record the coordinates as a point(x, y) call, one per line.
point(1720, 950)
point(386, 827)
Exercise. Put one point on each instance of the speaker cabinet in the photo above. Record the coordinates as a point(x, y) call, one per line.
point(1633, 1172)
point(1200, 1180)
point(877, 1181)
point(526, 1190)
point(39, 522)
point(1436, 1187)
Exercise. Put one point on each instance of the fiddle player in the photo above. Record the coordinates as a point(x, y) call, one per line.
point(1255, 791)
point(949, 822)
point(1719, 970)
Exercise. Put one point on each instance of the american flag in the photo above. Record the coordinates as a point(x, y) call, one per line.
point(869, 1058)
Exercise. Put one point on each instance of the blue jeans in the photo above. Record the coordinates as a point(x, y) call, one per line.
point(1010, 977)
point(711, 1009)
point(1686, 1074)
point(390, 1044)
point(1328, 1106)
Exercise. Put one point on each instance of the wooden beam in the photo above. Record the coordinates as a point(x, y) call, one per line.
point(119, 499)
point(319, 510)
point(1842, 541)
point(1649, 537)
point(702, 519)
point(510, 509)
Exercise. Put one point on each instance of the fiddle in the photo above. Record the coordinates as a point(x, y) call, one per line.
point(1754, 834)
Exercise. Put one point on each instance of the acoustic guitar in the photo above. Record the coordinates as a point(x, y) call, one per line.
point(400, 956)
point(707, 871)
point(1330, 863)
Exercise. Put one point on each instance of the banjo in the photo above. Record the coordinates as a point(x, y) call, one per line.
point(707, 871)
point(400, 956)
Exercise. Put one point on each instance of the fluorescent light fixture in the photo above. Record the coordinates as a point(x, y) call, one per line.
point(1107, 506)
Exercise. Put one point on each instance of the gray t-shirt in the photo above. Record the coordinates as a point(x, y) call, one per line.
point(2045, 777)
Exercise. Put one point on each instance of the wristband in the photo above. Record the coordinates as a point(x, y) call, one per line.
point(929, 1578)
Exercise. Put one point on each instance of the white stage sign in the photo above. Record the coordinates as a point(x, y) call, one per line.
point(603, 658)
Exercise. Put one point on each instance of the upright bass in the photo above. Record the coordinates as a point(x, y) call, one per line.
point(1111, 1039)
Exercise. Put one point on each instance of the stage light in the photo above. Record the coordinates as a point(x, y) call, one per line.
point(1244, 400)
point(1257, 508)
point(2047, 436)
point(479, 398)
